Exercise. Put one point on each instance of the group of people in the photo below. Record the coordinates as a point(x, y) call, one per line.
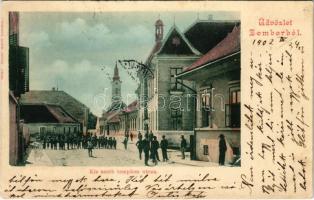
point(75, 141)
point(101, 142)
point(149, 145)
point(63, 142)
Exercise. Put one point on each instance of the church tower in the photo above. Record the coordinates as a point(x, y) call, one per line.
point(159, 30)
point(116, 86)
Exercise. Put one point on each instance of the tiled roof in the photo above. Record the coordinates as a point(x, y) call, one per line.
point(42, 113)
point(205, 34)
point(227, 46)
point(57, 97)
point(131, 107)
point(114, 117)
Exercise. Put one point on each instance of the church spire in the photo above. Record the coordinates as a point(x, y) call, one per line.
point(116, 73)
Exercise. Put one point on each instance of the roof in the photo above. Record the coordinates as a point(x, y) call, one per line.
point(172, 44)
point(116, 106)
point(45, 113)
point(113, 117)
point(205, 34)
point(153, 51)
point(159, 23)
point(131, 107)
point(116, 73)
point(230, 44)
point(57, 97)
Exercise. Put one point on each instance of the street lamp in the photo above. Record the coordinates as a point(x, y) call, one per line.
point(145, 72)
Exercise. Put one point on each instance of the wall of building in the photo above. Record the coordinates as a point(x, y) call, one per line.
point(174, 137)
point(220, 95)
point(14, 143)
point(210, 137)
point(54, 128)
point(167, 99)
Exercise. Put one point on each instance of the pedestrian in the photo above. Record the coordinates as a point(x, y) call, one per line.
point(125, 142)
point(94, 140)
point(99, 142)
point(183, 146)
point(139, 145)
point(55, 142)
point(146, 148)
point(90, 148)
point(44, 143)
point(114, 141)
point(110, 143)
point(154, 150)
point(48, 142)
point(139, 135)
point(164, 147)
point(106, 143)
point(51, 142)
point(127, 135)
point(222, 149)
point(68, 141)
point(131, 136)
point(150, 136)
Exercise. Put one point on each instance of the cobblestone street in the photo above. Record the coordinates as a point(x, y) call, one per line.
point(105, 157)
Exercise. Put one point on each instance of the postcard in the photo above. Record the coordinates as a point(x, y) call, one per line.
point(168, 100)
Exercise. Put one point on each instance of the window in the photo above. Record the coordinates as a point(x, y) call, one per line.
point(42, 130)
point(175, 84)
point(205, 106)
point(176, 119)
point(205, 150)
point(176, 41)
point(235, 97)
point(233, 116)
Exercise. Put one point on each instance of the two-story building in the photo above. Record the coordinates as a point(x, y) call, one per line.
point(171, 101)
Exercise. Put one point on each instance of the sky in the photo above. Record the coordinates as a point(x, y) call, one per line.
point(69, 50)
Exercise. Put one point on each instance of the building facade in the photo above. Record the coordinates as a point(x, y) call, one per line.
point(18, 84)
point(217, 82)
point(171, 100)
point(78, 110)
point(15, 138)
point(48, 119)
point(18, 59)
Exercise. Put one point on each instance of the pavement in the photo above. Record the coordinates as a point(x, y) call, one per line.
point(107, 157)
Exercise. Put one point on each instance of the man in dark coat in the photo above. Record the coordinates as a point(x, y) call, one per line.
point(139, 135)
point(222, 149)
point(183, 146)
point(154, 150)
point(164, 146)
point(146, 148)
point(139, 145)
point(114, 141)
point(44, 142)
point(106, 143)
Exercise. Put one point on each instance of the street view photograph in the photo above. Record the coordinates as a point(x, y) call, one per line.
point(155, 89)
